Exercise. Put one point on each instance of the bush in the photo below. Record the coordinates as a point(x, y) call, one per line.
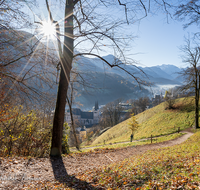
point(25, 134)
point(170, 103)
point(65, 145)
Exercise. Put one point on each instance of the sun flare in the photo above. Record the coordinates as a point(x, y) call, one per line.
point(48, 29)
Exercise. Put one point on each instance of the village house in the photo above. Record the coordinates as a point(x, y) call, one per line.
point(84, 118)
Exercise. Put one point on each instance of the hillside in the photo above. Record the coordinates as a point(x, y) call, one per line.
point(174, 164)
point(110, 84)
point(176, 167)
point(155, 121)
point(136, 167)
point(159, 75)
point(107, 87)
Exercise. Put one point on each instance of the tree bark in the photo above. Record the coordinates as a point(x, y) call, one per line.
point(66, 65)
point(72, 123)
point(196, 101)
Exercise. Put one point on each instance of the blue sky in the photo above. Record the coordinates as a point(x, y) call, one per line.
point(158, 41)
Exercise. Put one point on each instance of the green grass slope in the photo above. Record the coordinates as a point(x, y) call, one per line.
point(170, 168)
point(176, 167)
point(155, 121)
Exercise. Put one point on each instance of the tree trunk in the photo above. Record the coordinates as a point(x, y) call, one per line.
point(66, 65)
point(196, 101)
point(72, 123)
point(198, 98)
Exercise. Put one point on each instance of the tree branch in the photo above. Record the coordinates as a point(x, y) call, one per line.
point(125, 10)
point(139, 82)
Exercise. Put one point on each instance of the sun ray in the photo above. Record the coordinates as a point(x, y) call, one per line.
point(69, 36)
point(62, 65)
point(47, 48)
point(26, 41)
point(66, 45)
point(67, 16)
point(20, 73)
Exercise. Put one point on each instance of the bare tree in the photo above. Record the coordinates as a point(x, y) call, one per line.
point(141, 104)
point(84, 23)
point(111, 113)
point(169, 100)
point(27, 73)
point(70, 99)
point(12, 15)
point(188, 11)
point(191, 56)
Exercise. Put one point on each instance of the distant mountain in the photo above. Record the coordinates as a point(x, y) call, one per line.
point(173, 71)
point(113, 83)
point(25, 59)
point(103, 84)
point(83, 64)
point(107, 87)
point(156, 72)
point(157, 75)
point(170, 70)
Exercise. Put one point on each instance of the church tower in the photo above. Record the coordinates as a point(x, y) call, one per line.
point(96, 113)
point(96, 107)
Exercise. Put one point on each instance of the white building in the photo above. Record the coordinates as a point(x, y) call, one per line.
point(84, 118)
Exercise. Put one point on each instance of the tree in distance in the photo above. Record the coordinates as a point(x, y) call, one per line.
point(133, 124)
point(111, 114)
point(191, 56)
point(169, 100)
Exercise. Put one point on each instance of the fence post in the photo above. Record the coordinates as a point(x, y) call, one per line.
point(151, 139)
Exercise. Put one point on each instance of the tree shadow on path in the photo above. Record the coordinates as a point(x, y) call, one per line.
point(61, 175)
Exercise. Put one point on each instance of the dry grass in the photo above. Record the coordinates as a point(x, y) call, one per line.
point(155, 121)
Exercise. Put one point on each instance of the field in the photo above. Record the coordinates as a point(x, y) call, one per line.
point(118, 167)
point(176, 167)
point(127, 144)
point(155, 121)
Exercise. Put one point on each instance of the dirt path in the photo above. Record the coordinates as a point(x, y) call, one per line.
point(14, 172)
point(126, 142)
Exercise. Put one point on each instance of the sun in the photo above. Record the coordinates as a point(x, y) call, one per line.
point(48, 29)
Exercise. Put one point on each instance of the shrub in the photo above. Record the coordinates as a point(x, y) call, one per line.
point(25, 134)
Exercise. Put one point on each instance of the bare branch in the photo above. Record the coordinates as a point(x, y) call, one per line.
point(75, 2)
point(125, 9)
point(49, 11)
point(136, 78)
point(143, 7)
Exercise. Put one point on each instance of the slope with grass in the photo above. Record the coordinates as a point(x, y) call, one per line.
point(155, 121)
point(176, 167)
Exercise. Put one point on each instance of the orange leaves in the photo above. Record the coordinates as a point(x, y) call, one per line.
point(191, 174)
point(8, 117)
point(157, 169)
point(7, 111)
point(192, 186)
point(153, 170)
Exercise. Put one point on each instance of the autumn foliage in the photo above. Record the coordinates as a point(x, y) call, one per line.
point(24, 133)
point(176, 167)
point(133, 124)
